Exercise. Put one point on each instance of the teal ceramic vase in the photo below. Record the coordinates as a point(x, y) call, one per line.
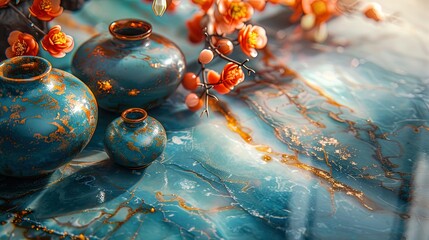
point(47, 116)
point(135, 139)
point(130, 66)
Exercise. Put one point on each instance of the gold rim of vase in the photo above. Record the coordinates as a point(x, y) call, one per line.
point(126, 119)
point(120, 29)
point(26, 64)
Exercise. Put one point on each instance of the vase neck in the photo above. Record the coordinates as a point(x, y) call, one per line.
point(129, 33)
point(134, 117)
point(24, 72)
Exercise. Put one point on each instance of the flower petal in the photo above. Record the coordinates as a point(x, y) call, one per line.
point(9, 53)
point(56, 13)
point(70, 44)
point(58, 55)
point(13, 37)
point(55, 3)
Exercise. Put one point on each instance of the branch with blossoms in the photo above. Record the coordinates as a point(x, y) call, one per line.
point(55, 42)
point(217, 20)
point(222, 25)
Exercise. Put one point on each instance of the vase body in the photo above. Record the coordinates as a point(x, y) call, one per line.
point(130, 66)
point(47, 116)
point(135, 140)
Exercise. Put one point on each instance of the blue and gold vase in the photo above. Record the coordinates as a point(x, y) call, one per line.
point(47, 116)
point(130, 66)
point(135, 139)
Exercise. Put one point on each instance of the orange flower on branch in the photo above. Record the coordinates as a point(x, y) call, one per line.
point(220, 26)
point(46, 10)
point(57, 43)
point(234, 12)
point(231, 75)
point(3, 3)
point(214, 78)
point(21, 44)
point(252, 38)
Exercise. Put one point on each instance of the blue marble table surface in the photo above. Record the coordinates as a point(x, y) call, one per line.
point(335, 148)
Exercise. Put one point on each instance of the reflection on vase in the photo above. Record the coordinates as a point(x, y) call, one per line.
point(130, 67)
point(47, 116)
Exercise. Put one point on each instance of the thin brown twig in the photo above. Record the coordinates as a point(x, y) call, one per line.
point(226, 58)
point(208, 86)
point(26, 19)
point(206, 92)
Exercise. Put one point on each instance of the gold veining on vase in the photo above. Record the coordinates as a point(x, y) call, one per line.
point(104, 86)
point(132, 147)
point(133, 92)
point(44, 101)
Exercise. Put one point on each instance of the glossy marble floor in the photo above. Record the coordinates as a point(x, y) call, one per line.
point(336, 147)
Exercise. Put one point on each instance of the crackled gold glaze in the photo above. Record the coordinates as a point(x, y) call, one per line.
point(43, 108)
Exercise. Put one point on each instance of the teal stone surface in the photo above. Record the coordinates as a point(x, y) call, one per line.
point(337, 149)
point(47, 117)
point(129, 66)
point(135, 139)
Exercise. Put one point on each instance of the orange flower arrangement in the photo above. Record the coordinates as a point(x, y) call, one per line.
point(213, 23)
point(219, 19)
point(21, 44)
point(46, 10)
point(57, 43)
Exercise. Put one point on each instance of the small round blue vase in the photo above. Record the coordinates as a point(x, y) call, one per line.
point(130, 66)
point(135, 139)
point(47, 116)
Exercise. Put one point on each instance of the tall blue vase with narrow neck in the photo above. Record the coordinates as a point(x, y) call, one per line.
point(47, 116)
point(129, 66)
